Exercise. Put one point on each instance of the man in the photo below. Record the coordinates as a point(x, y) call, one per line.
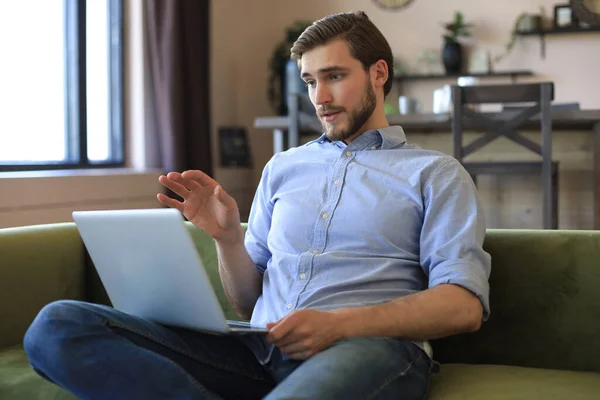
point(360, 248)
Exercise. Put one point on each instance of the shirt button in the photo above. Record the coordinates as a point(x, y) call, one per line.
point(337, 182)
point(325, 215)
point(348, 153)
point(302, 276)
point(315, 251)
point(289, 306)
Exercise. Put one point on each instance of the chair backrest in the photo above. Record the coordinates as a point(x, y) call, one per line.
point(503, 124)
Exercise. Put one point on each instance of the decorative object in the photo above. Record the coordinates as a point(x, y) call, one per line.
point(407, 105)
point(234, 147)
point(480, 62)
point(389, 109)
point(586, 11)
point(563, 16)
point(400, 66)
point(452, 51)
point(513, 35)
point(549, 32)
point(442, 100)
point(428, 62)
point(392, 5)
point(276, 87)
point(529, 22)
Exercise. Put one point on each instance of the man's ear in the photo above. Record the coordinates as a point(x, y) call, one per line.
point(379, 73)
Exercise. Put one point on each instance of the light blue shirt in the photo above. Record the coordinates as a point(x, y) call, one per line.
point(335, 225)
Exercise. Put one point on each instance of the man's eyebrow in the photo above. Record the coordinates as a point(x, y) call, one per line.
point(326, 70)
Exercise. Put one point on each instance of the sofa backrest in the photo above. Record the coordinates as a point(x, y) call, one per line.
point(545, 301)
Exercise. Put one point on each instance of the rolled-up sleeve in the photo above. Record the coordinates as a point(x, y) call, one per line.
point(259, 223)
point(453, 232)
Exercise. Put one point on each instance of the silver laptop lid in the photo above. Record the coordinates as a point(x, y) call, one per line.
point(150, 267)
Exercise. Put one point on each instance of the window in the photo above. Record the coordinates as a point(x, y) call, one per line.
point(61, 80)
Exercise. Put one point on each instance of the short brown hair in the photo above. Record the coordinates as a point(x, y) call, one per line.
point(367, 43)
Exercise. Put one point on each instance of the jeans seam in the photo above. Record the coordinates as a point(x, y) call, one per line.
point(182, 350)
point(394, 377)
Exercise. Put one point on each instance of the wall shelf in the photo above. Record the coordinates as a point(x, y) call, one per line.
point(499, 74)
point(557, 31)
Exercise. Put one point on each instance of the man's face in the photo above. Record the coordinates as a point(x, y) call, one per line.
point(339, 88)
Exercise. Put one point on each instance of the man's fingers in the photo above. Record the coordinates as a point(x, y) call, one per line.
point(280, 331)
point(189, 184)
point(303, 355)
point(200, 177)
point(176, 187)
point(290, 338)
point(223, 197)
point(294, 347)
point(271, 324)
point(169, 202)
point(193, 185)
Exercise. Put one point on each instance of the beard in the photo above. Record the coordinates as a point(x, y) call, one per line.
point(357, 117)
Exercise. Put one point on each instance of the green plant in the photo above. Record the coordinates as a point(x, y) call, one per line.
point(279, 58)
point(514, 34)
point(457, 28)
point(513, 39)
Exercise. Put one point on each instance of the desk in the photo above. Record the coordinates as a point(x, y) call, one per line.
point(287, 130)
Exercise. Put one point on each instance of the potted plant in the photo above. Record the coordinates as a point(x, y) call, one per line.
point(452, 51)
point(524, 22)
point(276, 91)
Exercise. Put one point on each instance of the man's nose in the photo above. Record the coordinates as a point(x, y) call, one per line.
point(322, 94)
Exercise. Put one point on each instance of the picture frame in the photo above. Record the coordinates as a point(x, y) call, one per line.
point(564, 17)
point(234, 147)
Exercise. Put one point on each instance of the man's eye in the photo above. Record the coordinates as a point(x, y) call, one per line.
point(310, 83)
point(335, 77)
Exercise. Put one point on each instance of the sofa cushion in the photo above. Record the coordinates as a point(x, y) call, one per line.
point(499, 382)
point(455, 381)
point(18, 381)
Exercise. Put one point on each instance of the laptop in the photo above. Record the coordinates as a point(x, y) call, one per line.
point(150, 267)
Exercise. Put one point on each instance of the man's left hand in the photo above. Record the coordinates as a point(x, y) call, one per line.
point(304, 333)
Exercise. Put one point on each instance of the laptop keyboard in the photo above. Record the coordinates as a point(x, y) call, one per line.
point(239, 324)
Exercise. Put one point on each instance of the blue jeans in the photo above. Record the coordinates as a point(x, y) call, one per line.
point(97, 352)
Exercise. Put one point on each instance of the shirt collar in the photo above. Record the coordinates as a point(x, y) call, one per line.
point(390, 137)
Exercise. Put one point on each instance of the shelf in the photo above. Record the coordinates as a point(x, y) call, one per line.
point(559, 31)
point(499, 74)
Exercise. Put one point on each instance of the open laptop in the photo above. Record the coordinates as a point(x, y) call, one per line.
point(150, 267)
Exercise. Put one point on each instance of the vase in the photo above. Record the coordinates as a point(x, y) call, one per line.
point(452, 57)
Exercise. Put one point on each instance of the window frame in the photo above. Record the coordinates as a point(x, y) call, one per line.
point(75, 74)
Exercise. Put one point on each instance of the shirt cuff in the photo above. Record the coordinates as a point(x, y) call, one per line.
point(466, 275)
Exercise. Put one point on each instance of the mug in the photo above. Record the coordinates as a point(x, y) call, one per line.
point(442, 100)
point(407, 105)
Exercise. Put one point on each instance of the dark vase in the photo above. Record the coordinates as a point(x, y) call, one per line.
point(452, 57)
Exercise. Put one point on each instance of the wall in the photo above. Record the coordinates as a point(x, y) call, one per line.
point(40, 198)
point(245, 33)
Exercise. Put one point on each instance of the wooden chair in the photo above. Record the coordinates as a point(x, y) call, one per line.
point(464, 117)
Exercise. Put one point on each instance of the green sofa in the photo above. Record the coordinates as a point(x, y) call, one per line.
point(541, 342)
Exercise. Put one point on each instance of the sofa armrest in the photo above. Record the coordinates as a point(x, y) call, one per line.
point(38, 264)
